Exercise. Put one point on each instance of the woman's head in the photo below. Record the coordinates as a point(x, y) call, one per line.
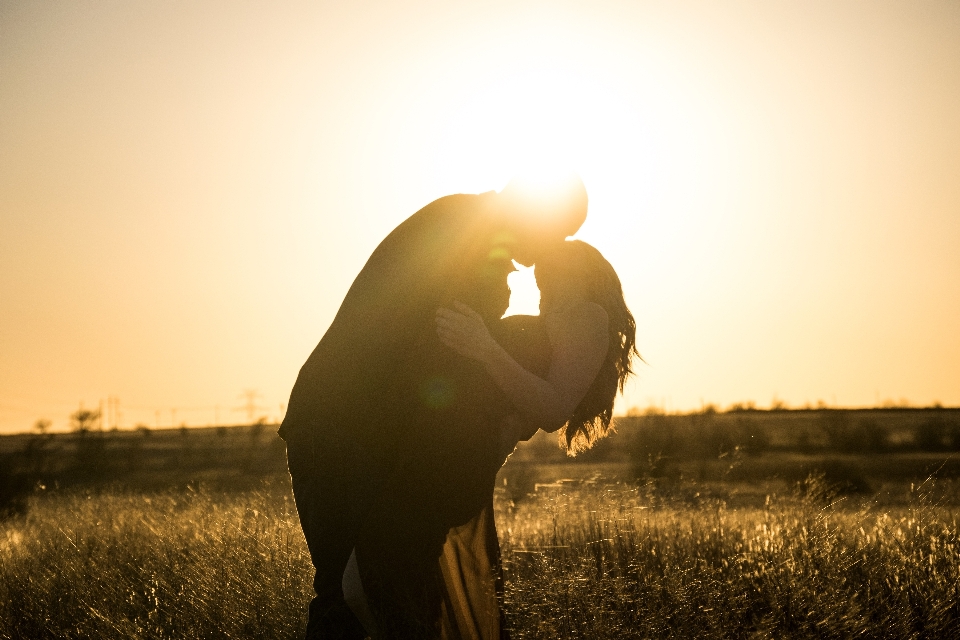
point(574, 271)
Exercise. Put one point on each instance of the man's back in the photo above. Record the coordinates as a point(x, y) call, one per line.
point(352, 381)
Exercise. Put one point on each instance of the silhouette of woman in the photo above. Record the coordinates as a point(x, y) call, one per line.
point(429, 557)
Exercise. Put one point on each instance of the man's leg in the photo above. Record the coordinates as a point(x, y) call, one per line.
point(399, 564)
point(332, 497)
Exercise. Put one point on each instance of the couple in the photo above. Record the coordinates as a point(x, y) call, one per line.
point(403, 414)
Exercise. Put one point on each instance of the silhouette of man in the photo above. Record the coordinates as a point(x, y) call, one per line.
point(350, 410)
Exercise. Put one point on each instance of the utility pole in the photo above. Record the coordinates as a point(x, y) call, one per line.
point(113, 412)
point(250, 406)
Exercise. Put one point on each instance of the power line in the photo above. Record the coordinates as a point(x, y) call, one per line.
point(250, 406)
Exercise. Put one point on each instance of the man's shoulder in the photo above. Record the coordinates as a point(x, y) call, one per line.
point(440, 228)
point(459, 202)
point(448, 217)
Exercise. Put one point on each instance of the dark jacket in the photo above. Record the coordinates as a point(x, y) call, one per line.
point(380, 362)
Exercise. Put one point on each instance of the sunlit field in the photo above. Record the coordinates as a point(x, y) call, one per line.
point(622, 562)
point(585, 557)
point(175, 564)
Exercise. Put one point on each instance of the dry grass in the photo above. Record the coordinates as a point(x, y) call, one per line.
point(582, 561)
point(615, 562)
point(168, 565)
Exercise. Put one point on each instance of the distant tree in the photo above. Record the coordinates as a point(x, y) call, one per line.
point(836, 424)
point(847, 435)
point(651, 438)
point(91, 455)
point(36, 451)
point(83, 420)
point(933, 434)
point(952, 436)
point(651, 410)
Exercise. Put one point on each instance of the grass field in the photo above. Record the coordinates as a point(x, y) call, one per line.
point(697, 526)
point(586, 557)
point(601, 561)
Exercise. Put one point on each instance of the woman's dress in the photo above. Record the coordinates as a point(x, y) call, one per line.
point(428, 555)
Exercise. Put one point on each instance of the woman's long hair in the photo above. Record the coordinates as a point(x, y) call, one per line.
point(591, 419)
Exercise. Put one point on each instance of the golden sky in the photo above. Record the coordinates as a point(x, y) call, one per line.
point(188, 189)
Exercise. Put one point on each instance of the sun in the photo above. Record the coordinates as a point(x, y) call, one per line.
point(545, 118)
point(542, 104)
point(637, 133)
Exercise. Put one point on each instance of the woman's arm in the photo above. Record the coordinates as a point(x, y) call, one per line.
point(579, 343)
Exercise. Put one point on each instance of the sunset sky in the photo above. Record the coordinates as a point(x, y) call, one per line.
point(188, 189)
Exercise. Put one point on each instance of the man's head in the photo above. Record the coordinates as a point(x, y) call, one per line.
point(538, 213)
